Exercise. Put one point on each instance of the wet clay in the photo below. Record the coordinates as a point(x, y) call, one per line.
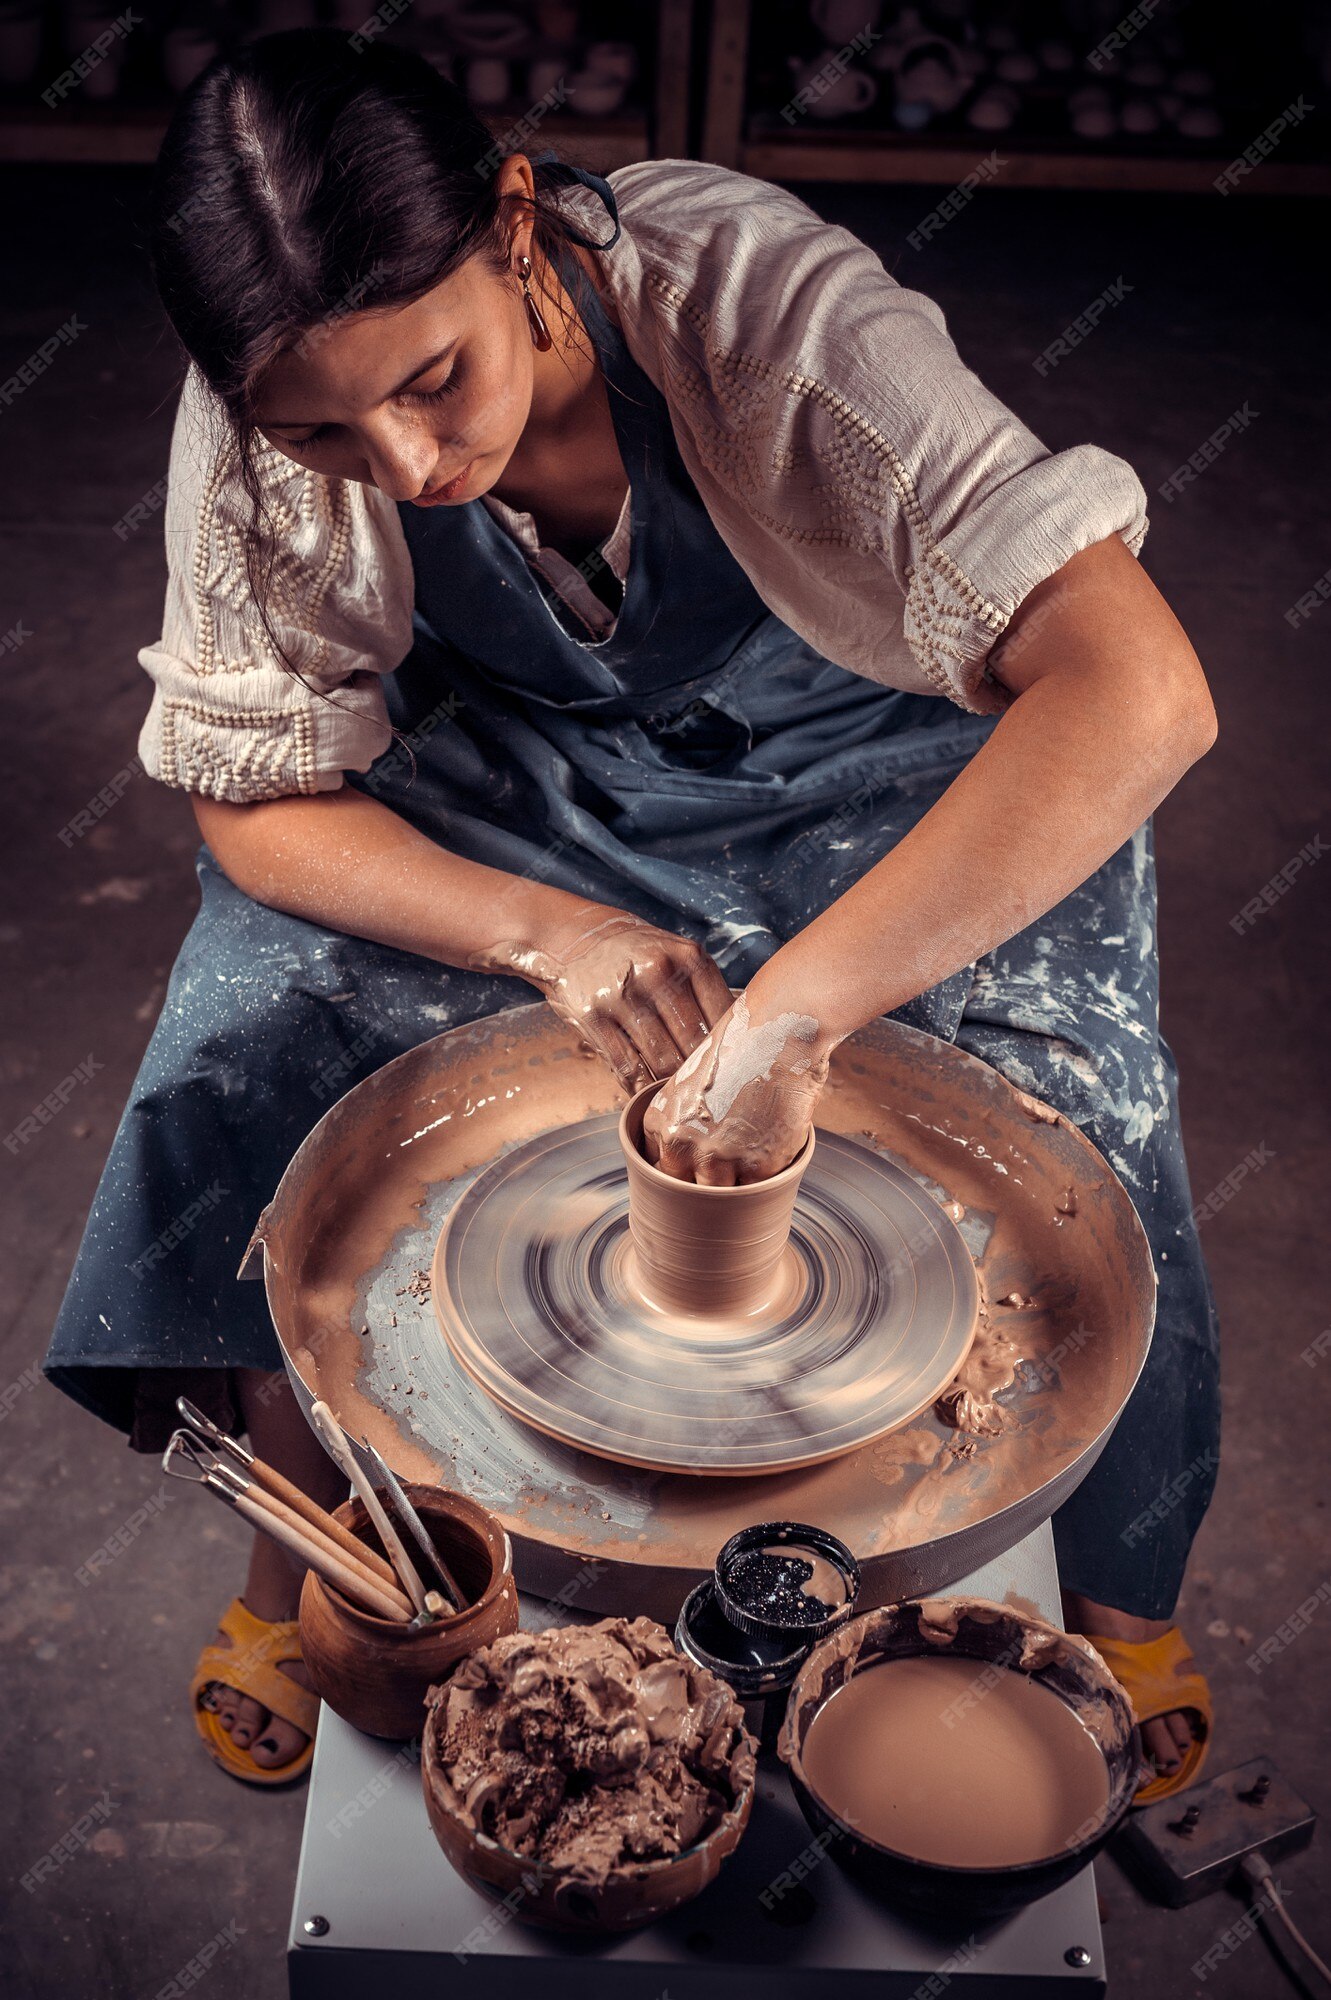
point(755, 1082)
point(970, 1402)
point(714, 1251)
point(538, 1291)
point(591, 1748)
point(955, 1762)
point(362, 1204)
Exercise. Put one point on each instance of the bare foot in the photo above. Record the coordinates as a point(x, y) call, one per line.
point(281, 1437)
point(270, 1740)
point(1166, 1738)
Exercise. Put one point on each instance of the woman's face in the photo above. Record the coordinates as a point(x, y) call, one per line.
point(426, 402)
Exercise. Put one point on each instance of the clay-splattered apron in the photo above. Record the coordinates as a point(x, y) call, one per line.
point(703, 767)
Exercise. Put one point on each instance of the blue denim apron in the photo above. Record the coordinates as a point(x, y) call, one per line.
point(703, 767)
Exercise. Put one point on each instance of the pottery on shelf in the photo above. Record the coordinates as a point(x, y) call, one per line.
point(838, 95)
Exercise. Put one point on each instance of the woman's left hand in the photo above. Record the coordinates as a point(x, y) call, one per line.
point(740, 1107)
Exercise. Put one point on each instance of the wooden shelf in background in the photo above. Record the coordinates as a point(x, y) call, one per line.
point(599, 143)
point(128, 134)
point(84, 134)
point(123, 135)
point(883, 158)
point(758, 144)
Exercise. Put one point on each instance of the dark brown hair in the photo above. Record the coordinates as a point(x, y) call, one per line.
point(302, 178)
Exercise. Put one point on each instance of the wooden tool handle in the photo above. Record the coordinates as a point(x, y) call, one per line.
point(309, 1510)
point(326, 1424)
point(350, 1559)
point(330, 1568)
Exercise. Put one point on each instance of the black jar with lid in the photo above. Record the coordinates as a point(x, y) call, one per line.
point(744, 1630)
point(786, 1582)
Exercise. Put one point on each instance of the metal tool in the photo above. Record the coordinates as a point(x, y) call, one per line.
point(290, 1495)
point(328, 1428)
point(186, 1458)
point(219, 1439)
point(416, 1528)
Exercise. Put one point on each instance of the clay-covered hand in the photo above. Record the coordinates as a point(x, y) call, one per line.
point(641, 998)
point(740, 1108)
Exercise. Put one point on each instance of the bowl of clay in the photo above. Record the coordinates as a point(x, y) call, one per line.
point(375, 1673)
point(551, 1896)
point(964, 1758)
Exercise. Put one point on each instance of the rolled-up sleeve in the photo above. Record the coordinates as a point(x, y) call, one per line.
point(990, 512)
point(887, 506)
point(229, 717)
point(960, 506)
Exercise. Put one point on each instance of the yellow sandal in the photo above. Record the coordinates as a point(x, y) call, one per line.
point(1159, 1675)
point(251, 1664)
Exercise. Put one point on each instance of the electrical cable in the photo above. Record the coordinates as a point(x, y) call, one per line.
point(1256, 1871)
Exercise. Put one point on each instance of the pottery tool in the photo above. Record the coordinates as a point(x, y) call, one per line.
point(297, 1538)
point(871, 1315)
point(330, 1431)
point(416, 1528)
point(283, 1489)
point(184, 1445)
point(208, 1462)
point(435, 1609)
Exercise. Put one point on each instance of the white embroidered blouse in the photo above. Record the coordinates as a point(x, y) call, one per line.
point(884, 504)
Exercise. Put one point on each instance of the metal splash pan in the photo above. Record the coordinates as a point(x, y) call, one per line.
point(1066, 1284)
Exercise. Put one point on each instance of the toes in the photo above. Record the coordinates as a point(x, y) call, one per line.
point(1160, 1747)
point(249, 1723)
point(1181, 1730)
point(225, 1703)
point(271, 1742)
point(280, 1743)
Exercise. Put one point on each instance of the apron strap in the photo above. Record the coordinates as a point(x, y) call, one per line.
point(559, 173)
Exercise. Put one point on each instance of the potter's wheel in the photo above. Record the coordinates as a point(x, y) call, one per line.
point(871, 1317)
point(1065, 1276)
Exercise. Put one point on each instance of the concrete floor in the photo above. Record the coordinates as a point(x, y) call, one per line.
point(1220, 314)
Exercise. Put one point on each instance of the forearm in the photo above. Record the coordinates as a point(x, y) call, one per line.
point(1110, 710)
point(638, 997)
point(349, 863)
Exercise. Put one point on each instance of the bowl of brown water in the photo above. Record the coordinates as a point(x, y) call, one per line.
point(963, 1757)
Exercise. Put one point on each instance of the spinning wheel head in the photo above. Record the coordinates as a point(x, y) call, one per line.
point(869, 1314)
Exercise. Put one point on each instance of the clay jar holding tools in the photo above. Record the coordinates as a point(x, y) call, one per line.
point(374, 1673)
point(713, 1251)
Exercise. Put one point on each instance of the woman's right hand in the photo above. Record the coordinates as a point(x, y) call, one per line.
point(641, 998)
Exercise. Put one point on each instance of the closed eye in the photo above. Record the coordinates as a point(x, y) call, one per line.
point(446, 388)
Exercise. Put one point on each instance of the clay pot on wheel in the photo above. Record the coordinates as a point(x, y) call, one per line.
point(375, 1673)
point(712, 1250)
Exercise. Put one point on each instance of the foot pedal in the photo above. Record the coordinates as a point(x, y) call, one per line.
point(1186, 1847)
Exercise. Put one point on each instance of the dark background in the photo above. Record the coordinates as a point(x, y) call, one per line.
point(1226, 308)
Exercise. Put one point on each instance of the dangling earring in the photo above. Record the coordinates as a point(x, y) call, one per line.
point(540, 332)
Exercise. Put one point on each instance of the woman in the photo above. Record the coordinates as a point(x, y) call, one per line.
point(623, 591)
